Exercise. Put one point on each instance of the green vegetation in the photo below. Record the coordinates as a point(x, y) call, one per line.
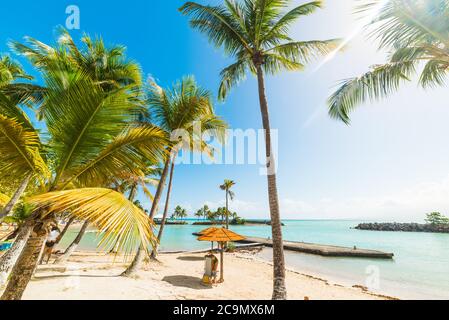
point(179, 213)
point(226, 186)
point(436, 218)
point(415, 34)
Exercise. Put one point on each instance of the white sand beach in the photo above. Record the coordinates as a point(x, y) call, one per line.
point(94, 276)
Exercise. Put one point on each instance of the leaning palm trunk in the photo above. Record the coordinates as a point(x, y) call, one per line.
point(27, 262)
point(8, 260)
point(64, 231)
point(72, 247)
point(138, 258)
point(15, 198)
point(167, 203)
point(135, 265)
point(160, 189)
point(279, 289)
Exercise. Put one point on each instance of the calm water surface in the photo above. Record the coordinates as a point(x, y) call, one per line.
point(420, 268)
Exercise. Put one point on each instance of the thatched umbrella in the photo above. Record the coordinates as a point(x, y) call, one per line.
point(220, 235)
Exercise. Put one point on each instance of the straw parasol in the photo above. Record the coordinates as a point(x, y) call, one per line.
point(220, 235)
point(206, 231)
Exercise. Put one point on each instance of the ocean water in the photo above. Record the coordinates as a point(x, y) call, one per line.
point(420, 268)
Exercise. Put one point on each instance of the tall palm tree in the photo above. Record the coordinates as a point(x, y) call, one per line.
point(185, 109)
point(415, 33)
point(199, 214)
point(206, 211)
point(256, 34)
point(226, 186)
point(92, 135)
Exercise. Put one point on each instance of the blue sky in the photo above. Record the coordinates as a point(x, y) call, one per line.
point(392, 163)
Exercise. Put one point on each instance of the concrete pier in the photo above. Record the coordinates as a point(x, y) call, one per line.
point(324, 250)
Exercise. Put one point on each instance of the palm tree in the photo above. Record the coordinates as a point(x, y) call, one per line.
point(131, 184)
point(183, 214)
point(226, 186)
point(108, 65)
point(199, 213)
point(255, 33)
point(92, 135)
point(184, 109)
point(416, 34)
point(10, 71)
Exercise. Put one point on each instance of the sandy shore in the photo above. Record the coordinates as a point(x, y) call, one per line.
point(93, 276)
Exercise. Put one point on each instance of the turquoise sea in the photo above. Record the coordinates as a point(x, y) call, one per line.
point(419, 270)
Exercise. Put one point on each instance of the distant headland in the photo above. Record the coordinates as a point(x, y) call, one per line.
point(435, 222)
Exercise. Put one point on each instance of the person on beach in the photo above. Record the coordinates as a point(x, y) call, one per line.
point(214, 268)
point(50, 243)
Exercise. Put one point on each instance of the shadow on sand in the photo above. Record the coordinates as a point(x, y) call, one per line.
point(186, 282)
point(40, 278)
point(190, 258)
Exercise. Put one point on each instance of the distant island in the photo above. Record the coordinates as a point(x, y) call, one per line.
point(435, 222)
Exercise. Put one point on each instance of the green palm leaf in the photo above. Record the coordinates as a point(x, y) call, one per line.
point(416, 33)
point(129, 152)
point(82, 118)
point(373, 85)
point(20, 150)
point(109, 211)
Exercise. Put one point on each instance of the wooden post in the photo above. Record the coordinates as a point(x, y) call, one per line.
point(221, 262)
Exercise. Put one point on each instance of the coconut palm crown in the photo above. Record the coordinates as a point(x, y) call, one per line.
point(416, 33)
point(256, 32)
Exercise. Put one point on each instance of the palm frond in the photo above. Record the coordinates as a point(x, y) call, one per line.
point(218, 24)
point(82, 119)
point(304, 52)
point(434, 73)
point(373, 85)
point(9, 108)
point(11, 70)
point(20, 150)
point(129, 153)
point(232, 76)
point(409, 22)
point(282, 25)
point(114, 215)
point(4, 199)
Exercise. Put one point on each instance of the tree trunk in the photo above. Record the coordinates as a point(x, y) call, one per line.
point(72, 247)
point(8, 260)
point(279, 288)
point(135, 265)
point(167, 202)
point(15, 198)
point(66, 227)
point(26, 264)
point(138, 258)
point(227, 211)
point(222, 263)
point(160, 189)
